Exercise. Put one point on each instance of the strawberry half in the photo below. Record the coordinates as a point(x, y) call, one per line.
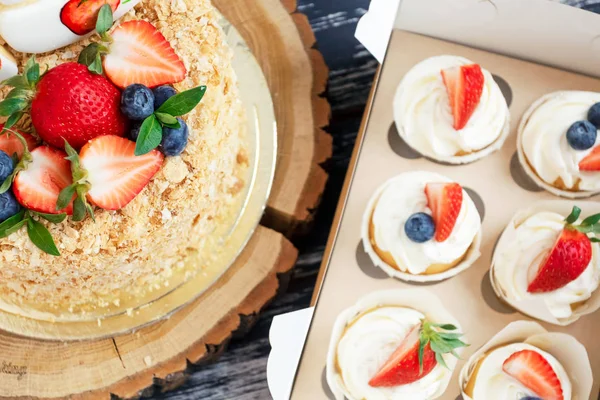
point(37, 188)
point(533, 371)
point(464, 85)
point(591, 162)
point(404, 367)
point(10, 144)
point(566, 261)
point(115, 173)
point(139, 53)
point(445, 201)
point(80, 15)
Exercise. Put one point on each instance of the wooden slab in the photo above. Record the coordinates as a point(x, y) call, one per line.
point(156, 358)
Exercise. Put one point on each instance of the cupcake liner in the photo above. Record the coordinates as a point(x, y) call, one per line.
point(418, 299)
point(529, 170)
point(468, 158)
point(565, 348)
point(536, 308)
point(473, 253)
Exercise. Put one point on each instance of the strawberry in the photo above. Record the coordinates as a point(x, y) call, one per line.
point(139, 53)
point(80, 15)
point(533, 371)
point(405, 365)
point(75, 105)
point(37, 188)
point(445, 201)
point(569, 256)
point(10, 144)
point(591, 162)
point(464, 85)
point(116, 175)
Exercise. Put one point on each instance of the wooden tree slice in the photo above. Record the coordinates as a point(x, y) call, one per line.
point(286, 57)
point(156, 357)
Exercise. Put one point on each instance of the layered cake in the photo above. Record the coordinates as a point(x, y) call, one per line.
point(125, 158)
point(393, 345)
point(525, 362)
point(547, 263)
point(421, 226)
point(450, 109)
point(558, 143)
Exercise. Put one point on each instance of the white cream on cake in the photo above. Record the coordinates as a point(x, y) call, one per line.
point(424, 119)
point(368, 342)
point(517, 261)
point(543, 139)
point(405, 195)
point(491, 383)
point(8, 65)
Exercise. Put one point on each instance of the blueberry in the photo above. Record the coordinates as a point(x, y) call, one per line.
point(531, 398)
point(594, 115)
point(7, 166)
point(582, 135)
point(134, 131)
point(175, 140)
point(419, 227)
point(162, 94)
point(137, 102)
point(8, 206)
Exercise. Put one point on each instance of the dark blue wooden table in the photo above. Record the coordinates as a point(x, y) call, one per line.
point(241, 372)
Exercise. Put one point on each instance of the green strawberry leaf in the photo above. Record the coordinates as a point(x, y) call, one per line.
point(168, 120)
point(54, 218)
point(11, 222)
point(105, 19)
point(17, 81)
point(19, 93)
point(594, 240)
point(440, 360)
point(41, 237)
point(65, 196)
point(591, 220)
point(182, 103)
point(90, 211)
point(574, 215)
point(150, 136)
point(12, 120)
point(7, 183)
point(79, 210)
point(88, 55)
point(422, 343)
point(12, 105)
point(32, 72)
point(446, 327)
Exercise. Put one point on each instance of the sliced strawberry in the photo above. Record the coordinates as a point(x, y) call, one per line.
point(591, 162)
point(116, 174)
point(10, 144)
point(566, 261)
point(464, 85)
point(37, 188)
point(403, 366)
point(445, 201)
point(533, 371)
point(141, 54)
point(80, 15)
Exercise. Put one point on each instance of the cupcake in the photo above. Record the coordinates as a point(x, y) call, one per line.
point(558, 143)
point(525, 362)
point(375, 345)
point(421, 226)
point(451, 110)
point(547, 262)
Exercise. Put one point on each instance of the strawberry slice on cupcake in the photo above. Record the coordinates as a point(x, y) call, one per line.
point(464, 85)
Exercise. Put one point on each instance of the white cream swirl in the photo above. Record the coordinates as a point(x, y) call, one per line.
point(424, 119)
point(517, 262)
point(403, 196)
point(491, 383)
point(366, 345)
point(543, 137)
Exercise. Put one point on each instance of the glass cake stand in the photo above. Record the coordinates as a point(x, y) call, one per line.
point(202, 270)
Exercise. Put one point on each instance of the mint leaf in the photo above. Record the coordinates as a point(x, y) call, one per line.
point(15, 228)
point(88, 55)
point(150, 136)
point(105, 19)
point(7, 183)
point(11, 222)
point(574, 215)
point(41, 237)
point(182, 103)
point(64, 198)
point(11, 106)
point(54, 218)
point(18, 82)
point(168, 120)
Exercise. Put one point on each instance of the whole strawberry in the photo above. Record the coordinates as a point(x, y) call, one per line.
point(73, 104)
